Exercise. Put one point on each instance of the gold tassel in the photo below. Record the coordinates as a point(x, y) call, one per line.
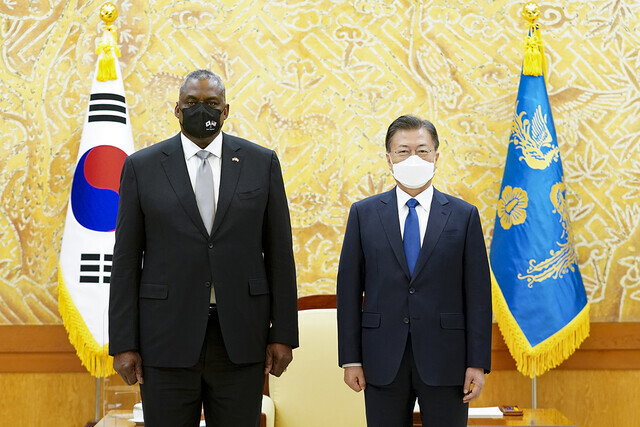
point(107, 68)
point(109, 50)
point(108, 47)
point(532, 65)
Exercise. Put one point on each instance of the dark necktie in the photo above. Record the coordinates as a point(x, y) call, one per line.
point(412, 236)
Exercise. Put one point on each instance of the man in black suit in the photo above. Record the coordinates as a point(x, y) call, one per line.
point(418, 257)
point(203, 287)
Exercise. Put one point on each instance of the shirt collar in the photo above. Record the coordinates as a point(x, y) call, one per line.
point(190, 148)
point(423, 198)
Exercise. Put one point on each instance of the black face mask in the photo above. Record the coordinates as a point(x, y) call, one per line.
point(201, 121)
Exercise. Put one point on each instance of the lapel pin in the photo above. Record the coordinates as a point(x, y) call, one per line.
point(235, 159)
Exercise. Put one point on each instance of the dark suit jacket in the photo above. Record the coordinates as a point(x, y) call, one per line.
point(445, 305)
point(165, 262)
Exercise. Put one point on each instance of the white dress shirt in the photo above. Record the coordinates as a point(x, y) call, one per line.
point(193, 162)
point(422, 209)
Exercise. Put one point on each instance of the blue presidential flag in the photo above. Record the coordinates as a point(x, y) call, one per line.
point(540, 302)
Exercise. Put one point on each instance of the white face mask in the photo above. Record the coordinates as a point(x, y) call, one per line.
point(413, 172)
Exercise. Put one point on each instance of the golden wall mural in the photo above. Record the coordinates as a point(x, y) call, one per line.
point(319, 81)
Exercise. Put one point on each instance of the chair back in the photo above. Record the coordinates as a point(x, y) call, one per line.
point(312, 391)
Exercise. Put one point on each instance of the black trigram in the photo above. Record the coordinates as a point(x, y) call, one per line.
point(95, 269)
point(107, 107)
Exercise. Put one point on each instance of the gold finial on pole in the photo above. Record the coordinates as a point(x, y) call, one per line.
point(108, 13)
point(108, 46)
point(534, 51)
point(531, 12)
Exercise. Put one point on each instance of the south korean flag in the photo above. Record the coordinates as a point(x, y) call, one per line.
point(87, 244)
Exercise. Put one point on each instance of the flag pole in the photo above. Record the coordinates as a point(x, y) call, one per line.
point(97, 417)
point(534, 386)
point(534, 392)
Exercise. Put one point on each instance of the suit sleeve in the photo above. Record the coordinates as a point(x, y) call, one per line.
point(350, 288)
point(477, 288)
point(126, 266)
point(279, 261)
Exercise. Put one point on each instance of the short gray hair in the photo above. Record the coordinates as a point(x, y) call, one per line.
point(203, 75)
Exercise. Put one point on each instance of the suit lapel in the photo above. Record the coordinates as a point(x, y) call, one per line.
point(388, 211)
point(175, 167)
point(438, 217)
point(232, 161)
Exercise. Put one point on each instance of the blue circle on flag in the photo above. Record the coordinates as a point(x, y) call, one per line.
point(95, 191)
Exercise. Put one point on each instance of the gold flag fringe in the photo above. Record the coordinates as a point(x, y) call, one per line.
point(535, 361)
point(94, 358)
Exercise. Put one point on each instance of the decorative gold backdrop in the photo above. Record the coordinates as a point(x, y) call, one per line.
point(319, 81)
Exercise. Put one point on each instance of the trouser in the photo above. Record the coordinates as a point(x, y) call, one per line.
point(231, 394)
point(392, 405)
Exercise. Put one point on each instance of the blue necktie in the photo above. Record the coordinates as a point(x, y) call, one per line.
point(412, 236)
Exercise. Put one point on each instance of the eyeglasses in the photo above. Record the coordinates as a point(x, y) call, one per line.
point(403, 154)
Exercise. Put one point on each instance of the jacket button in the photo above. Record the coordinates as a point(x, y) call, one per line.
point(405, 320)
point(412, 291)
point(207, 284)
point(210, 245)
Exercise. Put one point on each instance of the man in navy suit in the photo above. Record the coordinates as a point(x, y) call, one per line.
point(203, 286)
point(418, 256)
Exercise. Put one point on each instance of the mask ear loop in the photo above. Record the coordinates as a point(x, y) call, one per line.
point(390, 161)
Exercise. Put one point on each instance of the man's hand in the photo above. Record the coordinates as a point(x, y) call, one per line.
point(278, 358)
point(473, 383)
point(354, 378)
point(128, 365)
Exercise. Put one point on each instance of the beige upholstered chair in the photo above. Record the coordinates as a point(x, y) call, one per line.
point(312, 391)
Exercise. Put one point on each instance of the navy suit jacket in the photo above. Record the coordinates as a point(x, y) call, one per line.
point(165, 262)
point(445, 307)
